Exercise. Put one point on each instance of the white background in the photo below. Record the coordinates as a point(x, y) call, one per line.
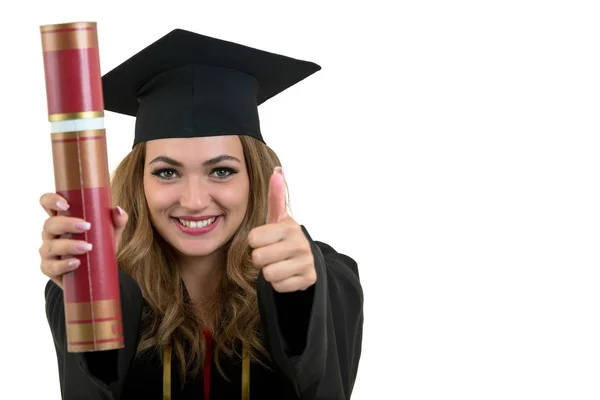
point(450, 147)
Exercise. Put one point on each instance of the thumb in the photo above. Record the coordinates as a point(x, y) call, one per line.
point(120, 219)
point(276, 210)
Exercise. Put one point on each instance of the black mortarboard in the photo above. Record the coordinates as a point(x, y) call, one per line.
point(190, 85)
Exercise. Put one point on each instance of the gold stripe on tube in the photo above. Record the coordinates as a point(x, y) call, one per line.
point(87, 148)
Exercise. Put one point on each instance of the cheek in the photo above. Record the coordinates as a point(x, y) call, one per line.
point(235, 197)
point(158, 198)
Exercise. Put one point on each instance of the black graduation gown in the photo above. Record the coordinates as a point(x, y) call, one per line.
point(313, 337)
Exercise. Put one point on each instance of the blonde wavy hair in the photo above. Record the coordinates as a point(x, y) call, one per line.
point(170, 317)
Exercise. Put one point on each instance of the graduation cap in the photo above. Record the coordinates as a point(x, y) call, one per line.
point(190, 85)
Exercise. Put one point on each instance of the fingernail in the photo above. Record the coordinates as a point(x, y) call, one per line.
point(84, 226)
point(279, 170)
point(84, 246)
point(73, 263)
point(62, 205)
point(120, 210)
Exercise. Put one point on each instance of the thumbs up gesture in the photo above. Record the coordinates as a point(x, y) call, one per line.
point(281, 249)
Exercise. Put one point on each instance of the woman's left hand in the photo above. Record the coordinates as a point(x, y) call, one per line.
point(281, 249)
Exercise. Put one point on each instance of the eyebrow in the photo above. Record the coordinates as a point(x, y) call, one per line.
point(207, 163)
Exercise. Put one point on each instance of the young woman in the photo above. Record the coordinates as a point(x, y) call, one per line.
point(224, 295)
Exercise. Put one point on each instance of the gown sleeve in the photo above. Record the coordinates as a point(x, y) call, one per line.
point(97, 375)
point(315, 336)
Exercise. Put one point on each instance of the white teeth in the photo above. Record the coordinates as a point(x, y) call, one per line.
point(197, 224)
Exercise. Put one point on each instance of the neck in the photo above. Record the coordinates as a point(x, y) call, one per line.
point(201, 276)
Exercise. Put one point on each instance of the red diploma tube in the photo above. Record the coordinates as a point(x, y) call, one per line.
point(76, 113)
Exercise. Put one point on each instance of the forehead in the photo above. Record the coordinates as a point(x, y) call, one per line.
point(195, 148)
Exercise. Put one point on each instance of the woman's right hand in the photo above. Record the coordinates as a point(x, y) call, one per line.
point(57, 252)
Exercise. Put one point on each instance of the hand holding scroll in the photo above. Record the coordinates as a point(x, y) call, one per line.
point(281, 249)
point(57, 250)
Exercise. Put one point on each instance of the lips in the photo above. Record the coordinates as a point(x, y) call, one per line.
point(196, 223)
point(197, 218)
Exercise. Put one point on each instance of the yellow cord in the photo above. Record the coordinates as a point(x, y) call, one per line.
point(245, 374)
point(167, 374)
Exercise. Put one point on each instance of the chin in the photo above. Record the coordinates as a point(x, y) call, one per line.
point(191, 248)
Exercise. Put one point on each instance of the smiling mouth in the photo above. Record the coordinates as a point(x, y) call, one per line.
point(196, 224)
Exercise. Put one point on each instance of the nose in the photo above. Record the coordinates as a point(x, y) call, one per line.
point(194, 194)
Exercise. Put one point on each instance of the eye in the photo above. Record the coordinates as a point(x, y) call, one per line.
point(223, 172)
point(165, 173)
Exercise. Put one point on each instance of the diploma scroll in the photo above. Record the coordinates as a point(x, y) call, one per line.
point(76, 113)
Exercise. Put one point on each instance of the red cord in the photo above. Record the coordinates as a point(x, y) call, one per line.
point(207, 363)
